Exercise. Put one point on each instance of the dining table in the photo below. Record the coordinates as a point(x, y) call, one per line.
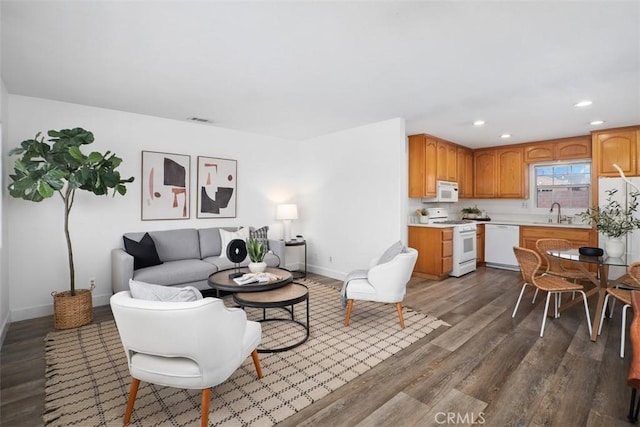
point(601, 281)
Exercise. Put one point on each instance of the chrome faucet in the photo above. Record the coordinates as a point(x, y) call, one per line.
point(551, 210)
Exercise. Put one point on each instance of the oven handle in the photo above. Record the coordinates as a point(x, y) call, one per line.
point(467, 232)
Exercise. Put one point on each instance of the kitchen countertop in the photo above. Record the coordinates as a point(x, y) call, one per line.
point(509, 222)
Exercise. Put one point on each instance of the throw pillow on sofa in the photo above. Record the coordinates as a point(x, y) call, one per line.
point(144, 252)
point(227, 236)
point(260, 234)
point(150, 292)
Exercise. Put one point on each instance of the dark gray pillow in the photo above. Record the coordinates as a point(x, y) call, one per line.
point(144, 252)
point(393, 251)
point(260, 235)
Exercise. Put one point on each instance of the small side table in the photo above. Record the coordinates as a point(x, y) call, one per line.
point(299, 274)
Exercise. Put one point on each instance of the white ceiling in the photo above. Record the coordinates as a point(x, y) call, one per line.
point(303, 69)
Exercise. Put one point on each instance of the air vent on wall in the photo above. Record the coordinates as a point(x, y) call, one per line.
point(199, 120)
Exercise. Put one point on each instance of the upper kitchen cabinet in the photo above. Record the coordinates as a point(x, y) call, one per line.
point(578, 147)
point(422, 166)
point(465, 172)
point(512, 173)
point(485, 167)
point(500, 173)
point(617, 146)
point(446, 165)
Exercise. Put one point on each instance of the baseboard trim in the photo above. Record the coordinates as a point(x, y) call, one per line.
point(47, 309)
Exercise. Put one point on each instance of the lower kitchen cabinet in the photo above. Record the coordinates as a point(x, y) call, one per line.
point(577, 236)
point(480, 244)
point(435, 251)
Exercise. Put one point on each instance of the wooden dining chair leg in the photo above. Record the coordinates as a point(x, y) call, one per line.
point(133, 391)
point(399, 308)
point(206, 397)
point(349, 308)
point(256, 362)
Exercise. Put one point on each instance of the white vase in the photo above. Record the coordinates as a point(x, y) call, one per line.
point(614, 247)
point(257, 267)
point(424, 219)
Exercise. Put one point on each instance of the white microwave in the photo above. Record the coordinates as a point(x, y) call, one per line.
point(446, 191)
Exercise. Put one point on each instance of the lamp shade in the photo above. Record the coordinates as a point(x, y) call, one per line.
point(287, 212)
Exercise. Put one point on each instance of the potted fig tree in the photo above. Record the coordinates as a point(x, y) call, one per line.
point(59, 166)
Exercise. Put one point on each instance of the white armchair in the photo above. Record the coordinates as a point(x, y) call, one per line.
point(192, 345)
point(386, 282)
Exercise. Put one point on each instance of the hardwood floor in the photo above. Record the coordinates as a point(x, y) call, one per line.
point(487, 368)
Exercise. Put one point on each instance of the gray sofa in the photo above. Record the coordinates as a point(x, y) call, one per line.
point(189, 256)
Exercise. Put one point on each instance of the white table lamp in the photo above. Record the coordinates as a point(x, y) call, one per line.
point(286, 213)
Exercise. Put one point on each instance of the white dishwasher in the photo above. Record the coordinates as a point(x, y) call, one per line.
point(499, 240)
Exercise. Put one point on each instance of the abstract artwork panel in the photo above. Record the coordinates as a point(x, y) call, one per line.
point(165, 185)
point(217, 187)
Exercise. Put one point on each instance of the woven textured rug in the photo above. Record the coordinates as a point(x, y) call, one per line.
point(87, 379)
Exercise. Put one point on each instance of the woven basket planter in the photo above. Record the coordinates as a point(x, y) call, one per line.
point(72, 311)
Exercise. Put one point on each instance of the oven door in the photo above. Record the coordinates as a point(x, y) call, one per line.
point(464, 246)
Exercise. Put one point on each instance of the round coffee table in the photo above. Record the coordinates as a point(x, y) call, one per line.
point(221, 281)
point(282, 298)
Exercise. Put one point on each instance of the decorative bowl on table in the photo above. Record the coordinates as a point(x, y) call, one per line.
point(588, 251)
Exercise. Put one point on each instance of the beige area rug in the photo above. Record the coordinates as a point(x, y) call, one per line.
point(87, 379)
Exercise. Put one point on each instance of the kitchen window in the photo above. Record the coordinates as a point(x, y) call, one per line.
point(566, 183)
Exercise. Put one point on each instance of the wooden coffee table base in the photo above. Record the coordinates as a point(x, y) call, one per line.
point(283, 298)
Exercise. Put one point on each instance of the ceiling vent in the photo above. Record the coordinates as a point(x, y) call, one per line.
point(199, 120)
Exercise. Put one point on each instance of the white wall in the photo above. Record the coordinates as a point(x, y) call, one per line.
point(355, 198)
point(350, 188)
point(4, 282)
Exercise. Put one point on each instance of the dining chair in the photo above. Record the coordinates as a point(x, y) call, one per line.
point(529, 262)
point(624, 296)
point(633, 377)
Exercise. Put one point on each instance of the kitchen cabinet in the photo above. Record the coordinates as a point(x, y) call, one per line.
point(435, 251)
point(465, 172)
point(578, 237)
point(577, 147)
point(422, 166)
point(485, 167)
point(500, 173)
point(619, 146)
point(479, 244)
point(447, 160)
point(512, 173)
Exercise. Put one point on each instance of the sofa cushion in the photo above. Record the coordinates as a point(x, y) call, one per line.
point(178, 244)
point(151, 292)
point(144, 252)
point(176, 272)
point(394, 250)
point(210, 243)
point(227, 236)
point(260, 234)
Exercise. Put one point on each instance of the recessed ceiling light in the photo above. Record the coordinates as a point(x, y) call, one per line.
point(505, 135)
point(478, 123)
point(596, 122)
point(199, 120)
point(584, 103)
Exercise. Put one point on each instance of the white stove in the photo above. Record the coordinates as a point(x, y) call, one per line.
point(464, 240)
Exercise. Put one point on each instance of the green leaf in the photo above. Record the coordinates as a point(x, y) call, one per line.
point(95, 157)
point(75, 153)
point(45, 189)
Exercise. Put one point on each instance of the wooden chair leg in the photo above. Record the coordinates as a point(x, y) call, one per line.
point(349, 308)
point(256, 362)
point(206, 397)
point(133, 391)
point(399, 308)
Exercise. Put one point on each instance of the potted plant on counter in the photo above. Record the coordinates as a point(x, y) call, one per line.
point(60, 167)
point(614, 221)
point(256, 251)
point(423, 215)
point(470, 212)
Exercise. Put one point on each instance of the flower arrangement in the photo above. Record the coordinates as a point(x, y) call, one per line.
point(473, 210)
point(613, 219)
point(422, 212)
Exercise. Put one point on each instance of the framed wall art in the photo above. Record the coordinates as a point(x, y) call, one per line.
point(165, 185)
point(217, 187)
